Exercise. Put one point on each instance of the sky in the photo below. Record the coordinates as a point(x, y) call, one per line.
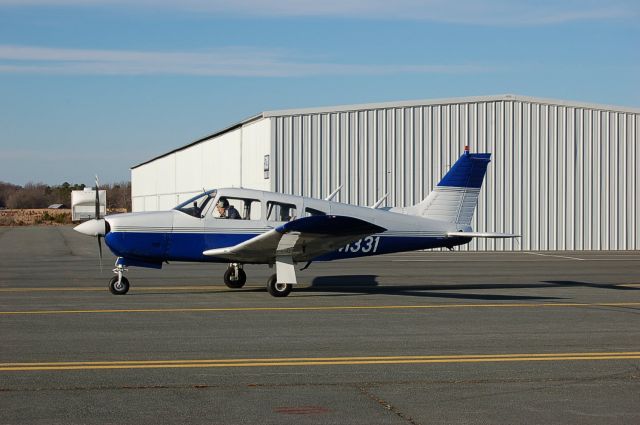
point(96, 86)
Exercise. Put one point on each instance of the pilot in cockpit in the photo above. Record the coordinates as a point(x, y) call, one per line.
point(227, 211)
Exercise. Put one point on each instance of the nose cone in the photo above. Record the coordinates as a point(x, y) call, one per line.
point(92, 227)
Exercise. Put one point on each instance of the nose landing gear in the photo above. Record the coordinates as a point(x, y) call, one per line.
point(119, 285)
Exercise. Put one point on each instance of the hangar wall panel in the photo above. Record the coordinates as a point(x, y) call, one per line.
point(153, 184)
point(565, 177)
point(220, 160)
point(256, 143)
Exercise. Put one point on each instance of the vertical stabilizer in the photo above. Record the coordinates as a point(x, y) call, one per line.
point(454, 199)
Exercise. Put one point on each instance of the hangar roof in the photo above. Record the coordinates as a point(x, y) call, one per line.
point(447, 101)
point(399, 104)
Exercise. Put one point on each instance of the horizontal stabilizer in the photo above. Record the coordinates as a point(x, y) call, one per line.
point(490, 235)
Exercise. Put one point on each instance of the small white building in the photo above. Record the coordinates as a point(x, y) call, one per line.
point(564, 174)
point(83, 204)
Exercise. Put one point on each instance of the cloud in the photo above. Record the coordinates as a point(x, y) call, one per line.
point(483, 12)
point(228, 62)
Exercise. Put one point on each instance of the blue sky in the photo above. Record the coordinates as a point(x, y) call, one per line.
point(96, 86)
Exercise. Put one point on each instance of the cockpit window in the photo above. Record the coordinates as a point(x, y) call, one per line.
point(197, 204)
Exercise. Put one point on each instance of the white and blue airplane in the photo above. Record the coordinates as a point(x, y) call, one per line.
point(284, 230)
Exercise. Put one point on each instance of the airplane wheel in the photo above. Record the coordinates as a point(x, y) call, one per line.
point(119, 288)
point(235, 284)
point(278, 289)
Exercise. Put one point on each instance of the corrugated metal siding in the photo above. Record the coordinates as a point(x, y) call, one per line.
point(564, 177)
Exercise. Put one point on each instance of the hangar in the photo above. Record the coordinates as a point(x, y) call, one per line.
point(564, 174)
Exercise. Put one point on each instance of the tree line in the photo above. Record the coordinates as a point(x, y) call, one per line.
point(40, 195)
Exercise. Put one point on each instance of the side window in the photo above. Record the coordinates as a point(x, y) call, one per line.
point(253, 210)
point(238, 208)
point(277, 211)
point(309, 212)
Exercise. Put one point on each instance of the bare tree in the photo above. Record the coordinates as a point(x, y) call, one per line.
point(118, 195)
point(6, 190)
point(40, 195)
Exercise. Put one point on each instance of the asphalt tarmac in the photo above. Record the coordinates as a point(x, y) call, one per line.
point(417, 338)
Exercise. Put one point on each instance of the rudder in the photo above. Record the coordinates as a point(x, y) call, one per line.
point(454, 199)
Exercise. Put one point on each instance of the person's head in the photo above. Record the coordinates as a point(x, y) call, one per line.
point(222, 205)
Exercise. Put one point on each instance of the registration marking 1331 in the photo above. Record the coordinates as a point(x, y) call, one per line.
point(365, 245)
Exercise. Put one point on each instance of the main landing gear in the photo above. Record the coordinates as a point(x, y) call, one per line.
point(278, 289)
point(235, 277)
point(119, 285)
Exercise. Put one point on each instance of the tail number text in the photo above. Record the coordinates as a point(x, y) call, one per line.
point(365, 245)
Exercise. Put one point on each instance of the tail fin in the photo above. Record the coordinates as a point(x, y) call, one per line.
point(454, 199)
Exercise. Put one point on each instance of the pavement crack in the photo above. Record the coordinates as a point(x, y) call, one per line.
point(632, 374)
point(386, 405)
point(65, 241)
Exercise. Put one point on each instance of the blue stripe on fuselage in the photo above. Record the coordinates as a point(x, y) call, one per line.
point(159, 247)
point(171, 246)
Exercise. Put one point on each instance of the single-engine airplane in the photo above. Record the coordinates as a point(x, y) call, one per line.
point(284, 230)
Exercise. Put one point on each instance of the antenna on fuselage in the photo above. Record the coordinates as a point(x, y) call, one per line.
point(334, 193)
point(380, 201)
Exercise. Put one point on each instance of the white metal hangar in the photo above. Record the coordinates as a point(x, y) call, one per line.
point(564, 174)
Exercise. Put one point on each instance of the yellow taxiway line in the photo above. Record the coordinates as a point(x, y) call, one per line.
point(322, 308)
point(319, 361)
point(220, 288)
point(138, 288)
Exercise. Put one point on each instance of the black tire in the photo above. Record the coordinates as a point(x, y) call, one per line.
point(235, 284)
point(120, 289)
point(278, 289)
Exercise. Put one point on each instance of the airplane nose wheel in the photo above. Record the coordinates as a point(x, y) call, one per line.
point(119, 286)
point(278, 289)
point(235, 277)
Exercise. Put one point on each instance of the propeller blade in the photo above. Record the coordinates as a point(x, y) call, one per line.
point(97, 199)
point(100, 250)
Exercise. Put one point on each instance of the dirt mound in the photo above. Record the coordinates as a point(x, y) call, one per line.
point(29, 217)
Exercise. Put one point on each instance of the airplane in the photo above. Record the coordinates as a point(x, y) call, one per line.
point(283, 230)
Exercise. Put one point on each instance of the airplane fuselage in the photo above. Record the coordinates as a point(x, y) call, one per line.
point(174, 235)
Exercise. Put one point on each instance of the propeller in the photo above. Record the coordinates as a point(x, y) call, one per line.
point(98, 218)
point(97, 227)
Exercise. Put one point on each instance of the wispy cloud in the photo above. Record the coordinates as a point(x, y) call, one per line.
point(483, 12)
point(236, 62)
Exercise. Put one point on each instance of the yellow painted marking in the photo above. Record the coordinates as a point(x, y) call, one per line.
point(170, 288)
point(327, 308)
point(319, 361)
point(137, 288)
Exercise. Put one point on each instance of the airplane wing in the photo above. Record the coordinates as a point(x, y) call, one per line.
point(302, 239)
point(490, 235)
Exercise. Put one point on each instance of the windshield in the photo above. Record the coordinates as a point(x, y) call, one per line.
point(196, 205)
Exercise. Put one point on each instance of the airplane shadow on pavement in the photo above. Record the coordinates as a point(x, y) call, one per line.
point(354, 285)
point(369, 285)
point(570, 283)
